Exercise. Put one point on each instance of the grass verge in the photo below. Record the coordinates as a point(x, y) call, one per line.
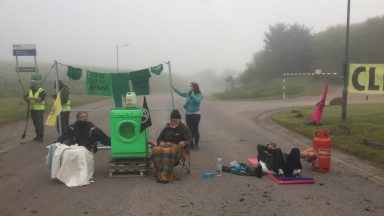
point(273, 89)
point(364, 120)
point(14, 108)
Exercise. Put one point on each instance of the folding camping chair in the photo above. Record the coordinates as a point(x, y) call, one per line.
point(184, 160)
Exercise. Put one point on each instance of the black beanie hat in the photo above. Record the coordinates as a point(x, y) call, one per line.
point(175, 114)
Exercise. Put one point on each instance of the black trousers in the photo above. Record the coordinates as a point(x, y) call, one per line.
point(38, 121)
point(193, 121)
point(64, 121)
point(291, 162)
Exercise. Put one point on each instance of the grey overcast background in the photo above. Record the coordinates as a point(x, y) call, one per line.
point(193, 34)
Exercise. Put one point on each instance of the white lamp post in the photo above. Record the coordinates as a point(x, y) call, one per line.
point(117, 55)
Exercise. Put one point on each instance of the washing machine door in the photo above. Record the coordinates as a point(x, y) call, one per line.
point(128, 131)
point(127, 141)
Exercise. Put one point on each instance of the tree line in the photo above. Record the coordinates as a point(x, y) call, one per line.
point(292, 48)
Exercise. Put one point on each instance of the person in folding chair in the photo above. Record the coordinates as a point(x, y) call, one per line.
point(172, 148)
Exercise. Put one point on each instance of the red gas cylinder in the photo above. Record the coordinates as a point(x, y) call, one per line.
point(322, 146)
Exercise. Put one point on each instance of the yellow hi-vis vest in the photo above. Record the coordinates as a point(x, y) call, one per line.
point(34, 105)
point(67, 106)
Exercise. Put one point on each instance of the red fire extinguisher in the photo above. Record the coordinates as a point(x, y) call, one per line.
point(322, 147)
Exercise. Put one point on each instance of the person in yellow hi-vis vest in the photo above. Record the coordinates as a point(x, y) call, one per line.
point(65, 103)
point(36, 99)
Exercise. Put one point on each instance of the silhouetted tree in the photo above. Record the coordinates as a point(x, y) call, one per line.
point(287, 49)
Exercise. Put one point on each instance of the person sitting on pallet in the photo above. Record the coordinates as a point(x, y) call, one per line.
point(174, 140)
point(84, 133)
point(273, 159)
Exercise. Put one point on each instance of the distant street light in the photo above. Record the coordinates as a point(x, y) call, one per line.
point(117, 55)
point(345, 70)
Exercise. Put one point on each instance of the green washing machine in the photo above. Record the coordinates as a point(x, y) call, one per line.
point(126, 139)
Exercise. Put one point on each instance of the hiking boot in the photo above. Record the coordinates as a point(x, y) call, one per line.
point(296, 173)
point(161, 181)
point(38, 139)
point(259, 171)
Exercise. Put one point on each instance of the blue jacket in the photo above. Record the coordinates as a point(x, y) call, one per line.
point(192, 103)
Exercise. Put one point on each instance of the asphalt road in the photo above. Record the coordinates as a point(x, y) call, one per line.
point(230, 130)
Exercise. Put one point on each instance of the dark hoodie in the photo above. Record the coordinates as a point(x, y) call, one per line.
point(175, 135)
point(84, 134)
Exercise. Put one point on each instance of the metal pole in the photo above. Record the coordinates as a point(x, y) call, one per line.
point(284, 87)
point(117, 59)
point(20, 88)
point(57, 94)
point(171, 84)
point(35, 65)
point(345, 69)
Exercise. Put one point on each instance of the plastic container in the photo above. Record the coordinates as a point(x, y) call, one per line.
point(322, 147)
point(131, 99)
point(208, 175)
point(219, 167)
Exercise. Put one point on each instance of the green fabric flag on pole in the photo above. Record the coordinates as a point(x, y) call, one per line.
point(140, 81)
point(74, 73)
point(157, 69)
point(120, 87)
point(98, 83)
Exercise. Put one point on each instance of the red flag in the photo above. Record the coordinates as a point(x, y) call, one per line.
point(318, 112)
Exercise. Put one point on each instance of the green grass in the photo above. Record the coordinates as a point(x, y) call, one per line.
point(365, 122)
point(14, 108)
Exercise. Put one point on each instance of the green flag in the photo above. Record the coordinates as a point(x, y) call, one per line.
point(99, 83)
point(140, 81)
point(157, 69)
point(74, 73)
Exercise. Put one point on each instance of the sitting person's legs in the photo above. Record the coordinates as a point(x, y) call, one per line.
point(164, 159)
point(293, 163)
point(278, 162)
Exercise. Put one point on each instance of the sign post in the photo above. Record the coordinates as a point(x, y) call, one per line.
point(25, 50)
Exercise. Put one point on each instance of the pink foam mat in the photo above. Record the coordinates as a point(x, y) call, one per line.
point(288, 180)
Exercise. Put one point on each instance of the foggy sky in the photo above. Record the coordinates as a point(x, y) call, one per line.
point(193, 34)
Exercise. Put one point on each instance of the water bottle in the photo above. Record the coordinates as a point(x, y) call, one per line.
point(219, 167)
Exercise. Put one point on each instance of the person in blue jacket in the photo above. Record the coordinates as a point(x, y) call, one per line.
point(192, 110)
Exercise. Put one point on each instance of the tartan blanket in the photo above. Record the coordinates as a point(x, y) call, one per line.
point(164, 159)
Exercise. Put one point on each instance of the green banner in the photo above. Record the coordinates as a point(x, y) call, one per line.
point(98, 83)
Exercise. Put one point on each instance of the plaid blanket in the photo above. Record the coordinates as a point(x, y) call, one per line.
point(164, 159)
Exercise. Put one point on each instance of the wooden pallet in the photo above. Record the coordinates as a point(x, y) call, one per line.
point(129, 167)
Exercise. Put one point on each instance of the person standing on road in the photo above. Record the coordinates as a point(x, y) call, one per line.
point(36, 99)
point(65, 103)
point(192, 110)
